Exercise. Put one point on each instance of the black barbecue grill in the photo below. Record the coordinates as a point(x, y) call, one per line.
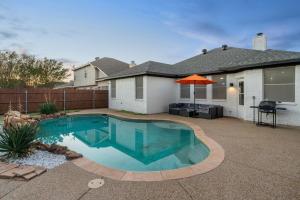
point(267, 107)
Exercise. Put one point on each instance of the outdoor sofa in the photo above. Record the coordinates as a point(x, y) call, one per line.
point(201, 110)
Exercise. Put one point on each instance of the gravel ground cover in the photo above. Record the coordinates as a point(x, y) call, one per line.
point(41, 158)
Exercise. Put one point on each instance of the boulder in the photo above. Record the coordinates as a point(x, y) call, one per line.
point(70, 155)
point(58, 149)
point(62, 114)
point(42, 146)
point(14, 118)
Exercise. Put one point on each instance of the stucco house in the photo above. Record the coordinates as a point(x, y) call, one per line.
point(92, 74)
point(242, 76)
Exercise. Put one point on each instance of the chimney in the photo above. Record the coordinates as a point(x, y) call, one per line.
point(224, 47)
point(204, 51)
point(132, 64)
point(97, 58)
point(260, 42)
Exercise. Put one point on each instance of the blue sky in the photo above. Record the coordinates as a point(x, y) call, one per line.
point(76, 31)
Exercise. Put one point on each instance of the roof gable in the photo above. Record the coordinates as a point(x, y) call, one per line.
point(110, 66)
point(149, 67)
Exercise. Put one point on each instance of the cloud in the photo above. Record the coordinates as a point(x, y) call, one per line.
point(7, 34)
point(287, 41)
point(2, 18)
point(67, 61)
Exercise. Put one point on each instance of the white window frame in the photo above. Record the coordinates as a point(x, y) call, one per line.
point(264, 84)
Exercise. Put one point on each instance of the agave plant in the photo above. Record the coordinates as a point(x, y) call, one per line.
point(16, 141)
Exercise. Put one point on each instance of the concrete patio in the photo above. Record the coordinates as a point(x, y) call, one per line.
point(260, 163)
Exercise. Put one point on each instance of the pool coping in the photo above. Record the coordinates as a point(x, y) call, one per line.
point(212, 161)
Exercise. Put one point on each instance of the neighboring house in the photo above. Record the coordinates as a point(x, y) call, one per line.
point(241, 75)
point(92, 74)
point(69, 84)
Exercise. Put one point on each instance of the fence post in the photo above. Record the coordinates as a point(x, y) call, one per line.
point(64, 100)
point(26, 101)
point(94, 98)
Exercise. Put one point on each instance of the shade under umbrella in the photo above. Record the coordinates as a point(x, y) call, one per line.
point(195, 79)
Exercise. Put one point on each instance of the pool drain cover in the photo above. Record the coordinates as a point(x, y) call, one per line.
point(96, 183)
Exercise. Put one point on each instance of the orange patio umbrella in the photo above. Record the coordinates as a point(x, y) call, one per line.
point(195, 79)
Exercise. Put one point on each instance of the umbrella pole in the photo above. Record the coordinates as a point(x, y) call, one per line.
point(194, 100)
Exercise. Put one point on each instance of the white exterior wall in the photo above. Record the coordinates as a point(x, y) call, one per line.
point(81, 80)
point(289, 117)
point(160, 92)
point(253, 86)
point(102, 84)
point(125, 96)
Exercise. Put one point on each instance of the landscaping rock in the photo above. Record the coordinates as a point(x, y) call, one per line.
point(71, 155)
point(51, 116)
point(43, 159)
point(57, 149)
point(14, 118)
point(18, 172)
point(23, 170)
point(42, 146)
point(62, 114)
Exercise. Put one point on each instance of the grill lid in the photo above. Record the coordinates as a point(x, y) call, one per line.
point(267, 105)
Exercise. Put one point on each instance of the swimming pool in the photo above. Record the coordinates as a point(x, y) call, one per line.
point(124, 144)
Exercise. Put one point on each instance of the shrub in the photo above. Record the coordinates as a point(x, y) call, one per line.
point(48, 108)
point(16, 141)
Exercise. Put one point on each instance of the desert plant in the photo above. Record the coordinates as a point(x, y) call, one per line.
point(48, 108)
point(16, 141)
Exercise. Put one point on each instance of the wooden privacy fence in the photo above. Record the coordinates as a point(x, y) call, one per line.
point(65, 99)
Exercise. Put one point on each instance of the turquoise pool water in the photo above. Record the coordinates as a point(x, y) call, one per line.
point(126, 144)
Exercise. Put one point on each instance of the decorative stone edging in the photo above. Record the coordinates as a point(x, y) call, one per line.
point(14, 171)
point(214, 159)
point(58, 149)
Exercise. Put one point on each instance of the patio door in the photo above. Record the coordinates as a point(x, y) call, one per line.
point(241, 98)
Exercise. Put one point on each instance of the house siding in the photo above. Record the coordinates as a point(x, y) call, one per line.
point(125, 96)
point(253, 80)
point(81, 80)
point(159, 92)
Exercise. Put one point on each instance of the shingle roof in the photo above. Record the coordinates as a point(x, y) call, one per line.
point(219, 60)
point(110, 66)
point(214, 61)
point(149, 67)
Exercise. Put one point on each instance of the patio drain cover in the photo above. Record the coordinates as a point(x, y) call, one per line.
point(96, 183)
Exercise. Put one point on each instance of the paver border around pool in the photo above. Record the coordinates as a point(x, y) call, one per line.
point(214, 159)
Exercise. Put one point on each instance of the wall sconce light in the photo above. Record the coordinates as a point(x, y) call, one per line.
point(231, 85)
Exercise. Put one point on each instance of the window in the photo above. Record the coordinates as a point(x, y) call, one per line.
point(113, 89)
point(200, 91)
point(219, 88)
point(241, 93)
point(85, 74)
point(139, 87)
point(184, 91)
point(279, 84)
